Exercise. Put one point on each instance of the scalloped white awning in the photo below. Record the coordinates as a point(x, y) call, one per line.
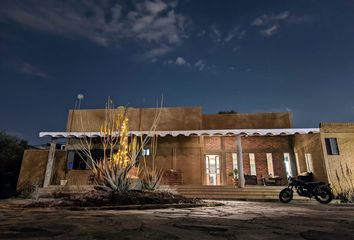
point(222, 132)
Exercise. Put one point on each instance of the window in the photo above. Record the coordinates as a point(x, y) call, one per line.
point(309, 163)
point(332, 146)
point(75, 162)
point(146, 152)
point(252, 164)
point(234, 163)
point(287, 164)
point(270, 164)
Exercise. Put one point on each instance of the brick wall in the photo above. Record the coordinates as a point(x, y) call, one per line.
point(212, 144)
point(260, 146)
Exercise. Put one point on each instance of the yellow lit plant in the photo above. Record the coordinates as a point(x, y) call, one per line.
point(120, 151)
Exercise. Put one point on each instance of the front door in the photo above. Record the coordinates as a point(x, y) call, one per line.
point(212, 168)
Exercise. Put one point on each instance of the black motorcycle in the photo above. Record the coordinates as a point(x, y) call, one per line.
point(306, 187)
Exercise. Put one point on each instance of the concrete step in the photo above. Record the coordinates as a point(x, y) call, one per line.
point(229, 192)
point(191, 191)
point(264, 191)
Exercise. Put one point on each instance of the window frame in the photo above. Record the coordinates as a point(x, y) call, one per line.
point(253, 171)
point(332, 147)
point(270, 165)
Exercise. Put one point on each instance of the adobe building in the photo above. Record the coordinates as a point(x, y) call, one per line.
point(204, 149)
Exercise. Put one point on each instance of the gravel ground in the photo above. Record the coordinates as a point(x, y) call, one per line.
point(235, 220)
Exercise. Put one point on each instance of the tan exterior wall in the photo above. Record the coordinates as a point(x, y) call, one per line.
point(247, 121)
point(33, 168)
point(59, 168)
point(179, 118)
point(310, 144)
point(340, 167)
point(181, 154)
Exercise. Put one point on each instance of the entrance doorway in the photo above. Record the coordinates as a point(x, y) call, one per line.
point(212, 168)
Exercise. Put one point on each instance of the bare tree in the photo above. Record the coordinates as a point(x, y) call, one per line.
point(151, 176)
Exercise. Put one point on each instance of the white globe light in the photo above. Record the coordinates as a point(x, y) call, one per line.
point(80, 96)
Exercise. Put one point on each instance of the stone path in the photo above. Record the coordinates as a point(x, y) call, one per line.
point(235, 220)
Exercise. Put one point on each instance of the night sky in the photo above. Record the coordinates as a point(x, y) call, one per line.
point(247, 56)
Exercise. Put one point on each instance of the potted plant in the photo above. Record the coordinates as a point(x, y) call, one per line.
point(234, 175)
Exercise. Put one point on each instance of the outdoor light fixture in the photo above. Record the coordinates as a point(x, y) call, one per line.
point(79, 97)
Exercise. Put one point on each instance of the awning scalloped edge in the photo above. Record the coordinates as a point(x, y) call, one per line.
point(223, 132)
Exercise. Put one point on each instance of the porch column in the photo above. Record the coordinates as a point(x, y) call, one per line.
point(241, 177)
point(293, 164)
point(50, 163)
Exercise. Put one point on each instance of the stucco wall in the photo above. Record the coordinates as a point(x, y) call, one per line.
point(179, 118)
point(181, 154)
point(310, 143)
point(60, 159)
point(340, 167)
point(33, 168)
point(247, 120)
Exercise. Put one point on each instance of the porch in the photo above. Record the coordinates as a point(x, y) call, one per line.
point(208, 167)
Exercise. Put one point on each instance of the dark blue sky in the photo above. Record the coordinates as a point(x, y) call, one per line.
point(249, 56)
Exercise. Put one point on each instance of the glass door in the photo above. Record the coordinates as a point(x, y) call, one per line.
point(212, 167)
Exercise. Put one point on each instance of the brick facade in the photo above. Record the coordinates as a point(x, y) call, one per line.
point(184, 156)
point(189, 156)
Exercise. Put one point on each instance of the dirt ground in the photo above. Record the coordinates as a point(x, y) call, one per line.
point(236, 220)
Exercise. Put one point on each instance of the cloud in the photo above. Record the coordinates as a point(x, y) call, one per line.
point(269, 24)
point(200, 65)
point(236, 32)
point(102, 22)
point(269, 31)
point(229, 37)
point(224, 36)
point(156, 52)
point(180, 61)
point(216, 33)
point(155, 7)
point(266, 20)
point(29, 69)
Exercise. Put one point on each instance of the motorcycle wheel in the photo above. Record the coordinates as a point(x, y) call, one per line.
point(286, 195)
point(323, 195)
